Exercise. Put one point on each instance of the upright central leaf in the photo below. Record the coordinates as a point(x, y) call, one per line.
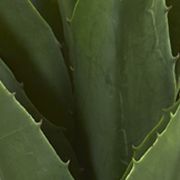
point(123, 78)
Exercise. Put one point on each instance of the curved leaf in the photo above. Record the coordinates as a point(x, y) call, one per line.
point(24, 151)
point(50, 12)
point(57, 13)
point(151, 137)
point(29, 47)
point(54, 134)
point(161, 161)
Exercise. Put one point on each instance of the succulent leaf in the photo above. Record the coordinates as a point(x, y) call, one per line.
point(103, 70)
point(161, 161)
point(123, 76)
point(50, 12)
point(57, 14)
point(23, 145)
point(31, 50)
point(151, 137)
point(66, 8)
point(53, 133)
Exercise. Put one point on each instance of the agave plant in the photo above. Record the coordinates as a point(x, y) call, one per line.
point(89, 90)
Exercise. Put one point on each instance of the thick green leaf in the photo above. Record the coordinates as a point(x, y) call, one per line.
point(24, 151)
point(124, 77)
point(9, 80)
point(161, 161)
point(151, 137)
point(50, 12)
point(159, 128)
point(57, 14)
point(66, 8)
point(29, 47)
point(54, 134)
